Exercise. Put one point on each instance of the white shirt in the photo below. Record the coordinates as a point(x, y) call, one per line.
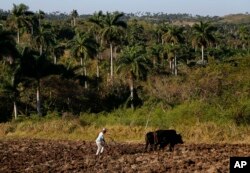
point(100, 137)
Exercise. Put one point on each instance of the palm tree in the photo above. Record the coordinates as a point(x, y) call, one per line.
point(10, 85)
point(134, 64)
point(35, 66)
point(43, 39)
point(32, 65)
point(136, 34)
point(19, 18)
point(74, 15)
point(8, 48)
point(243, 33)
point(173, 36)
point(112, 29)
point(40, 15)
point(171, 51)
point(57, 51)
point(203, 36)
point(83, 47)
point(158, 32)
point(156, 52)
point(35, 21)
point(33, 24)
point(97, 20)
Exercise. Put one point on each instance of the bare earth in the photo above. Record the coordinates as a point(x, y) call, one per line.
point(32, 155)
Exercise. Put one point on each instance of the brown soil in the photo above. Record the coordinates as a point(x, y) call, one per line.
point(30, 155)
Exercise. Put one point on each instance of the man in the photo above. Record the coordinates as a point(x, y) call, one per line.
point(100, 141)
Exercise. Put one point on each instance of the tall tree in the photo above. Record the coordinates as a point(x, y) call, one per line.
point(9, 52)
point(19, 17)
point(171, 51)
point(40, 15)
point(156, 52)
point(57, 50)
point(173, 36)
point(36, 67)
point(136, 34)
point(243, 33)
point(159, 30)
point(83, 47)
point(43, 39)
point(134, 64)
point(74, 15)
point(113, 26)
point(97, 18)
point(10, 84)
point(97, 21)
point(8, 49)
point(33, 64)
point(203, 36)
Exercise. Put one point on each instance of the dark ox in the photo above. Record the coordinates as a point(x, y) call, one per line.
point(162, 138)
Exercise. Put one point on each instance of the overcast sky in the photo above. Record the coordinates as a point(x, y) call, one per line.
point(200, 7)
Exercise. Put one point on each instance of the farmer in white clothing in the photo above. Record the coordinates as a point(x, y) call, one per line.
point(100, 141)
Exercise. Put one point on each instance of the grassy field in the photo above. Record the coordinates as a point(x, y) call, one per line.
point(126, 126)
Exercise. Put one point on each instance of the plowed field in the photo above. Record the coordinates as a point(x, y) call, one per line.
point(33, 155)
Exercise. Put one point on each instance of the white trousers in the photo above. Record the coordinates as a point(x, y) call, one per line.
point(100, 148)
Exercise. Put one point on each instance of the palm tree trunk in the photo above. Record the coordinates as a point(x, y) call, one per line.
point(172, 70)
point(39, 22)
point(15, 110)
point(98, 71)
point(175, 65)
point(55, 60)
point(81, 63)
point(170, 64)
point(97, 66)
point(38, 100)
point(154, 61)
point(41, 49)
point(85, 74)
point(202, 54)
point(74, 21)
point(18, 36)
point(111, 62)
point(132, 93)
point(32, 30)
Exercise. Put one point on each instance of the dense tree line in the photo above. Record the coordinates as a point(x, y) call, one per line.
point(99, 62)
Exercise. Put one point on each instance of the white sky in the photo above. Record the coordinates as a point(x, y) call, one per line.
point(200, 7)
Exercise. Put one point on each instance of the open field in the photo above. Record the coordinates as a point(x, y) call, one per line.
point(35, 155)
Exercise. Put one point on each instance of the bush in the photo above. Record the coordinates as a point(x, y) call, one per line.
point(6, 108)
point(241, 112)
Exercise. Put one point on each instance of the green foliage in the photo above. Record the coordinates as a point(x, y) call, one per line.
point(87, 119)
point(216, 92)
point(5, 108)
point(198, 122)
point(241, 112)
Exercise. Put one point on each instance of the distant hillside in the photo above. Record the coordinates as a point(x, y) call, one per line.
point(236, 18)
point(176, 19)
point(230, 19)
